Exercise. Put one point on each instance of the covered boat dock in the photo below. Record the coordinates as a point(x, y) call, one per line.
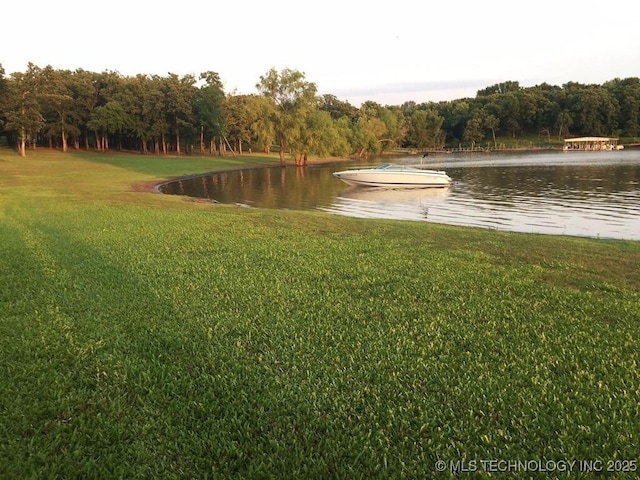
point(591, 143)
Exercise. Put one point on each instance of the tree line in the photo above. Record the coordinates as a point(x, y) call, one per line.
point(178, 115)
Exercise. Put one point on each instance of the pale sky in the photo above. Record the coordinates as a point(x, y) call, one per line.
point(389, 52)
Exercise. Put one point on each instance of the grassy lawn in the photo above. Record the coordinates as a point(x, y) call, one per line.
point(151, 336)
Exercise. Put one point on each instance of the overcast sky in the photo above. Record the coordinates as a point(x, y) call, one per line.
point(389, 52)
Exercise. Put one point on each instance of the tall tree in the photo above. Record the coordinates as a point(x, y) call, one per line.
point(396, 127)
point(337, 108)
point(563, 123)
point(425, 129)
point(378, 128)
point(57, 101)
point(111, 119)
point(627, 94)
point(238, 119)
point(208, 107)
point(293, 98)
point(592, 109)
point(510, 113)
point(153, 113)
point(456, 114)
point(474, 131)
point(23, 114)
point(3, 98)
point(492, 123)
point(84, 91)
point(366, 134)
point(179, 92)
point(319, 137)
point(261, 111)
point(132, 98)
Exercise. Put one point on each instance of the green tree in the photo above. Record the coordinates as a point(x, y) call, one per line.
point(337, 108)
point(366, 135)
point(111, 118)
point(153, 113)
point(132, 97)
point(425, 129)
point(321, 137)
point(564, 122)
point(179, 92)
point(293, 96)
point(208, 107)
point(109, 87)
point(492, 124)
point(596, 111)
point(84, 91)
point(261, 110)
point(510, 112)
point(378, 128)
point(238, 120)
point(23, 115)
point(539, 109)
point(3, 98)
point(528, 102)
point(57, 103)
point(474, 131)
point(395, 127)
point(455, 116)
point(500, 88)
point(627, 94)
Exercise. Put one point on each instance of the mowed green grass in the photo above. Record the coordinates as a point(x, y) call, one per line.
point(152, 336)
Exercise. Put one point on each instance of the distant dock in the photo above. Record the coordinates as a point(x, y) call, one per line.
point(591, 144)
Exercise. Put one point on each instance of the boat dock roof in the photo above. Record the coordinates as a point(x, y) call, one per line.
point(591, 143)
point(590, 139)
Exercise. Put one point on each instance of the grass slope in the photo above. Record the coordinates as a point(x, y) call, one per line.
point(150, 336)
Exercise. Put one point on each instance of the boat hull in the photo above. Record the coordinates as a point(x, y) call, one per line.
point(407, 178)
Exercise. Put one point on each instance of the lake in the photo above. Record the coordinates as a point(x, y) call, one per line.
point(592, 194)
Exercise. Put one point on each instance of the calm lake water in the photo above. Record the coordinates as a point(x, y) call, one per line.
point(593, 194)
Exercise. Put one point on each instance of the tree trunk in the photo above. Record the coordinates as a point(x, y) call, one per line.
point(281, 153)
point(65, 147)
point(23, 144)
point(178, 142)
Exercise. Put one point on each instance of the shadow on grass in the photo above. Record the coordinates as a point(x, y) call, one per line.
point(97, 360)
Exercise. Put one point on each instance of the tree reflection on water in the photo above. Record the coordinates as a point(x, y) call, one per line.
point(594, 194)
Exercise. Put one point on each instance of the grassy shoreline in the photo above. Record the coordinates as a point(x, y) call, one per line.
point(145, 335)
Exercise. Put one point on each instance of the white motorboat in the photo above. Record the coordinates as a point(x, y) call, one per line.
point(394, 176)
